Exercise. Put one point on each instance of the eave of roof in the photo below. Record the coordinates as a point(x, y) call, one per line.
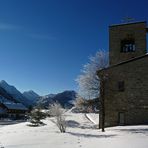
point(124, 62)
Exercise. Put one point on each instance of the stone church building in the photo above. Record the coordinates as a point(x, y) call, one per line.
point(125, 92)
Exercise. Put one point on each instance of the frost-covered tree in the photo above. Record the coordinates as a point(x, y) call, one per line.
point(80, 104)
point(57, 111)
point(88, 81)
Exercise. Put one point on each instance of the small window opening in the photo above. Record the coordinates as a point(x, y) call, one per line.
point(128, 46)
point(121, 86)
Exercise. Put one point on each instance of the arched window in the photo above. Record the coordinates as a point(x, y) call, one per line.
point(128, 45)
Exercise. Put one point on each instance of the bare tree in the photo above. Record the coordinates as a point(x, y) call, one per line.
point(57, 111)
point(80, 104)
point(90, 84)
point(88, 81)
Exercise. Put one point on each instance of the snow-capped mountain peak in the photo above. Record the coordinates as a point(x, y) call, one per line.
point(65, 98)
point(31, 95)
point(17, 95)
point(9, 88)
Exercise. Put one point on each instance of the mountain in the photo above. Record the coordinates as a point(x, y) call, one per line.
point(31, 95)
point(65, 98)
point(30, 98)
point(4, 94)
point(14, 93)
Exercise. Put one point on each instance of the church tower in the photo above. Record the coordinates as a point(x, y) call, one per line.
point(126, 41)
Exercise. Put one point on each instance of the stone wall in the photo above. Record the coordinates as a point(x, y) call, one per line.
point(133, 101)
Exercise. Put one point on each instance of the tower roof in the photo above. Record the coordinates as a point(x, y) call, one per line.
point(128, 23)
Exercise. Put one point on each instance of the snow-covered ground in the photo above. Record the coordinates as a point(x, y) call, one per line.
point(80, 134)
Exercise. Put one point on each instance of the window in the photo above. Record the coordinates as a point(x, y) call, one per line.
point(128, 45)
point(121, 85)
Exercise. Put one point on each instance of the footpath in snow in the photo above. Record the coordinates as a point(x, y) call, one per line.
point(80, 134)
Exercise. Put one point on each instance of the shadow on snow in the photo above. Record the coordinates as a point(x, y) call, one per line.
point(91, 135)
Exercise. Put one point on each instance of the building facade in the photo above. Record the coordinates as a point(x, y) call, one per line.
point(125, 97)
point(12, 110)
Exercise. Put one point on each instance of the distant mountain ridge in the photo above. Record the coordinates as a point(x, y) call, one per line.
point(14, 93)
point(31, 98)
point(4, 94)
point(65, 98)
point(31, 95)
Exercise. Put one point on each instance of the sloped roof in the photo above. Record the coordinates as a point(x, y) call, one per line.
point(16, 106)
point(124, 62)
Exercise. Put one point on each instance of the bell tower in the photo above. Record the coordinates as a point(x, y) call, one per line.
point(126, 41)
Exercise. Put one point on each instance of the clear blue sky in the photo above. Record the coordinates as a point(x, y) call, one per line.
point(45, 43)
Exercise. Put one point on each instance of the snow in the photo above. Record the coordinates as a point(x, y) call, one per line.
point(93, 117)
point(80, 133)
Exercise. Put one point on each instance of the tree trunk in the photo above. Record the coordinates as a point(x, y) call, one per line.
point(102, 86)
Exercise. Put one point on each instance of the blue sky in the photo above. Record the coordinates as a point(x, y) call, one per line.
point(45, 43)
